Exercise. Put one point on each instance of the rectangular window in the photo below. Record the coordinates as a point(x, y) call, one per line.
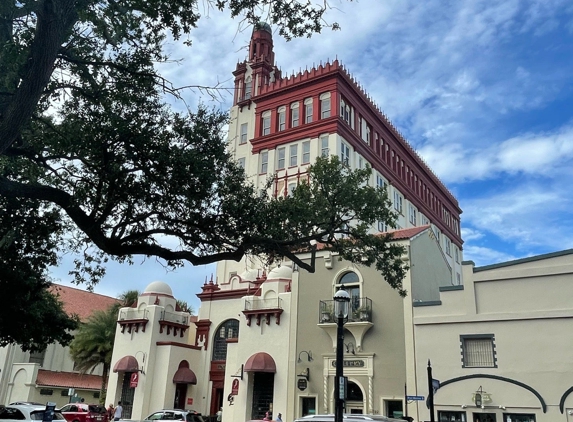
point(344, 154)
point(306, 152)
point(398, 201)
point(345, 111)
point(282, 118)
point(412, 215)
point(248, 88)
point(281, 154)
point(382, 227)
point(264, 161)
point(325, 106)
point(308, 405)
point(308, 110)
point(380, 182)
point(451, 416)
point(266, 123)
point(244, 128)
point(518, 417)
point(324, 151)
point(478, 351)
point(294, 115)
point(293, 158)
point(458, 278)
point(241, 162)
point(457, 254)
point(448, 247)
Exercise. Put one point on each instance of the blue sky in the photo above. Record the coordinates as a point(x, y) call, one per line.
point(483, 90)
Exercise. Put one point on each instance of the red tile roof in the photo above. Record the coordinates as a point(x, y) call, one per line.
point(68, 380)
point(81, 302)
point(407, 233)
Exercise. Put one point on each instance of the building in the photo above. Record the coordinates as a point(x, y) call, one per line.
point(263, 341)
point(48, 375)
point(500, 344)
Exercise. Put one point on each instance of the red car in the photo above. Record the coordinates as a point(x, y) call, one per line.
point(81, 412)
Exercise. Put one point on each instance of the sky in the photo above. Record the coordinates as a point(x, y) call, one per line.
point(483, 90)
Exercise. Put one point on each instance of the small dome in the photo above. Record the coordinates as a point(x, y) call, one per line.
point(283, 271)
point(159, 287)
point(262, 26)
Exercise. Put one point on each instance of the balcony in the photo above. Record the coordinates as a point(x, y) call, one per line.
point(260, 308)
point(133, 319)
point(358, 323)
point(176, 321)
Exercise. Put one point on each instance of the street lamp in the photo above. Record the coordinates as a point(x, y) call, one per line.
point(341, 304)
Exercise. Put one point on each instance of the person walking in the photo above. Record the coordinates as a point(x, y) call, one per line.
point(110, 412)
point(220, 415)
point(279, 418)
point(117, 412)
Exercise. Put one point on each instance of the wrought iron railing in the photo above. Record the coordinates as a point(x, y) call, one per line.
point(360, 310)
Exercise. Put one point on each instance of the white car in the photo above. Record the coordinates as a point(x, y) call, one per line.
point(27, 412)
point(348, 417)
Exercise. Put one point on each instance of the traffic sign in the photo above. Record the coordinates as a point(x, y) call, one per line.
point(419, 398)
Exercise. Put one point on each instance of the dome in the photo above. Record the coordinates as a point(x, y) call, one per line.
point(159, 287)
point(283, 271)
point(262, 26)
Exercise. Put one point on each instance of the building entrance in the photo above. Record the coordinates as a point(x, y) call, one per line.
point(263, 391)
point(127, 394)
point(354, 399)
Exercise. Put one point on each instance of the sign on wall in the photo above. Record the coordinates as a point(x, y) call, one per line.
point(133, 380)
point(189, 400)
point(235, 387)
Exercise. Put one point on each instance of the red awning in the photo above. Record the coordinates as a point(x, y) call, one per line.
point(261, 362)
point(126, 364)
point(184, 376)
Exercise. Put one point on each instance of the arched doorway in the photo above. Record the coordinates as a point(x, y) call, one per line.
point(354, 399)
point(229, 329)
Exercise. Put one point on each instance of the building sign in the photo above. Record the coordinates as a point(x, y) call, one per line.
point(302, 384)
point(355, 363)
point(221, 367)
point(133, 380)
point(189, 400)
point(235, 387)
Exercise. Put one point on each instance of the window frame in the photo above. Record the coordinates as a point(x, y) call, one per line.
point(308, 110)
point(264, 168)
point(466, 338)
point(293, 155)
point(294, 115)
point(266, 123)
point(244, 130)
point(325, 105)
point(324, 146)
point(281, 118)
point(281, 157)
point(305, 152)
point(344, 153)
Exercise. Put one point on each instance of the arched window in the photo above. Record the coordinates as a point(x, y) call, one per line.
point(350, 282)
point(228, 329)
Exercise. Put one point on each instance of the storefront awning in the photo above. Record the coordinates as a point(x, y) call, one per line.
point(184, 376)
point(126, 364)
point(261, 362)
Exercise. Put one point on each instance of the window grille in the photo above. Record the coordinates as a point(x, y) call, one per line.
point(478, 351)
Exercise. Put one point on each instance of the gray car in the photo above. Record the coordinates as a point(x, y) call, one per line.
point(176, 415)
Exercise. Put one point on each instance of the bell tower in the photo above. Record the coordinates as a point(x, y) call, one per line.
point(259, 69)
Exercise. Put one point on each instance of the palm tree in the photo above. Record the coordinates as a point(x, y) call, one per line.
point(93, 344)
point(185, 307)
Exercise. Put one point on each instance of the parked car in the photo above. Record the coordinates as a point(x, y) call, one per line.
point(27, 412)
point(176, 415)
point(82, 412)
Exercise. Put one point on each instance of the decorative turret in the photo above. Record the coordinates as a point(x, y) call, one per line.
point(259, 69)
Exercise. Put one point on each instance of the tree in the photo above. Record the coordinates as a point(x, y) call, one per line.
point(30, 315)
point(93, 344)
point(128, 299)
point(85, 131)
point(183, 306)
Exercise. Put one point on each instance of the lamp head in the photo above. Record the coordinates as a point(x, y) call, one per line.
point(341, 302)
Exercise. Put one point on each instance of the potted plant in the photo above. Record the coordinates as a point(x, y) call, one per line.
point(327, 314)
point(364, 313)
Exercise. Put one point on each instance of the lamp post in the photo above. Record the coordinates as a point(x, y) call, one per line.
point(341, 303)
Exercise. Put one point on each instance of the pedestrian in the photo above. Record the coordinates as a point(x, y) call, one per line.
point(220, 415)
point(267, 417)
point(110, 412)
point(117, 412)
point(279, 418)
